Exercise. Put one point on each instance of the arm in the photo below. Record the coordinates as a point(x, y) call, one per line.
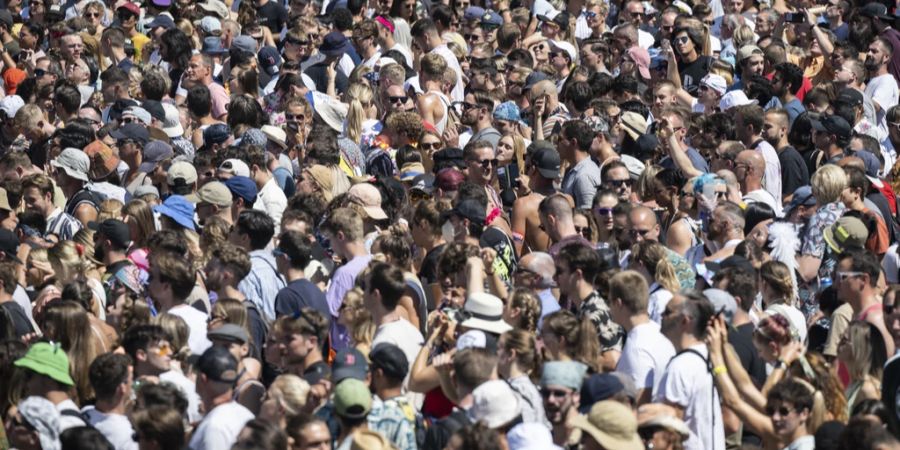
point(788, 354)
point(422, 377)
point(824, 43)
point(609, 359)
point(672, 65)
point(407, 305)
point(808, 266)
point(519, 223)
point(741, 379)
point(425, 105)
point(679, 156)
point(86, 213)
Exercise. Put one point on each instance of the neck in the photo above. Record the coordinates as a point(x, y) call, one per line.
point(798, 433)
point(583, 291)
point(578, 156)
point(311, 358)
point(56, 397)
point(111, 406)
point(229, 291)
point(293, 274)
point(383, 317)
point(370, 52)
point(834, 150)
point(220, 399)
point(482, 125)
point(686, 340)
point(690, 57)
point(262, 178)
point(740, 317)
point(117, 55)
point(865, 300)
point(431, 242)
point(515, 371)
point(787, 97)
point(752, 184)
point(114, 257)
point(632, 321)
point(562, 430)
point(389, 392)
point(783, 143)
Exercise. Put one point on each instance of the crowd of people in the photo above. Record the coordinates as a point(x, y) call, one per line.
point(421, 224)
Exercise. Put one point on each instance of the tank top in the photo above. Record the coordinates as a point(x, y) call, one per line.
point(445, 103)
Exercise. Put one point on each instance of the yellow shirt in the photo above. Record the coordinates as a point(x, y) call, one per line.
point(139, 40)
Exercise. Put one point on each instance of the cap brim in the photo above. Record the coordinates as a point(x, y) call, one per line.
point(581, 422)
point(497, 327)
point(818, 125)
point(828, 234)
point(549, 174)
point(70, 172)
point(375, 212)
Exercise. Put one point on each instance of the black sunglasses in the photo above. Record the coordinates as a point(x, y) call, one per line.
point(398, 99)
point(619, 183)
point(485, 163)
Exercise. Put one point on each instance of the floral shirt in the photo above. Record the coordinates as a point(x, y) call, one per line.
point(611, 334)
point(395, 419)
point(812, 243)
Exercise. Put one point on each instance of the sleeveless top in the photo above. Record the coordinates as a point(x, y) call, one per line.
point(445, 103)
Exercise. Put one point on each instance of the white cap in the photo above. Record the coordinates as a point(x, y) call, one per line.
point(139, 113)
point(715, 82)
point(10, 105)
point(794, 317)
point(566, 47)
point(495, 403)
point(235, 167)
point(735, 98)
point(172, 125)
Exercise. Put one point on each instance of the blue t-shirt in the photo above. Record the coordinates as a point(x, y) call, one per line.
point(300, 294)
point(794, 108)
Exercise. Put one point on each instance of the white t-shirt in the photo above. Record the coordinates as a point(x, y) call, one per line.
point(402, 334)
point(67, 421)
point(656, 304)
point(188, 388)
point(891, 264)
point(220, 427)
point(772, 176)
point(688, 383)
point(883, 90)
point(645, 355)
point(115, 427)
point(272, 201)
point(763, 196)
point(196, 322)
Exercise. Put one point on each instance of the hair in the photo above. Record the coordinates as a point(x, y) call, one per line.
point(524, 343)
point(297, 248)
point(388, 280)
point(362, 329)
point(176, 270)
point(864, 262)
point(262, 435)
point(654, 257)
point(580, 257)
point(84, 437)
point(868, 350)
point(774, 328)
point(777, 275)
point(472, 367)
point(139, 215)
point(827, 183)
point(699, 308)
point(258, 226)
point(179, 47)
point(107, 372)
point(529, 306)
point(68, 261)
point(791, 391)
point(178, 332)
point(631, 288)
point(67, 322)
point(160, 424)
point(199, 102)
point(360, 97)
point(291, 392)
point(307, 321)
point(741, 284)
point(344, 220)
point(580, 337)
point(856, 179)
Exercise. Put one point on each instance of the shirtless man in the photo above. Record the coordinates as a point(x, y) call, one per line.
point(542, 168)
point(433, 103)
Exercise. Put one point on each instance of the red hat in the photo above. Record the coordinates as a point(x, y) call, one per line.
point(449, 179)
point(131, 7)
point(12, 78)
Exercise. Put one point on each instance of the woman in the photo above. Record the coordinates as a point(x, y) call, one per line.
point(429, 144)
point(517, 360)
point(776, 285)
point(362, 116)
point(244, 81)
point(139, 216)
point(511, 150)
point(585, 225)
point(66, 322)
point(523, 310)
point(863, 351)
point(229, 310)
point(286, 398)
point(663, 432)
point(127, 310)
point(568, 339)
point(158, 427)
point(31, 41)
point(397, 249)
point(355, 317)
point(604, 203)
point(94, 13)
point(649, 258)
point(69, 262)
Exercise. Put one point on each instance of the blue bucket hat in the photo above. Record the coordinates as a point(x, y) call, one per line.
point(508, 111)
point(179, 209)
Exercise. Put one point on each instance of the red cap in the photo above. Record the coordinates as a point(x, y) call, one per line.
point(11, 79)
point(449, 179)
point(131, 7)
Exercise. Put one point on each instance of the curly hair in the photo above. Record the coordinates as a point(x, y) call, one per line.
point(405, 123)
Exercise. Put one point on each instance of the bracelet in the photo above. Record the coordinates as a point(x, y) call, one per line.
point(719, 370)
point(780, 364)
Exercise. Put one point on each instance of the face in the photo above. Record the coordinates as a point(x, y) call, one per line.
point(755, 64)
point(603, 212)
point(505, 152)
point(397, 99)
point(844, 74)
point(734, 6)
point(77, 72)
point(772, 130)
point(672, 317)
point(642, 227)
point(850, 284)
point(663, 96)
point(683, 43)
point(785, 418)
point(635, 13)
point(294, 347)
point(159, 355)
point(481, 167)
point(760, 233)
point(35, 201)
point(549, 30)
point(197, 71)
point(876, 56)
point(619, 180)
point(72, 47)
point(314, 437)
point(558, 401)
point(93, 15)
point(541, 52)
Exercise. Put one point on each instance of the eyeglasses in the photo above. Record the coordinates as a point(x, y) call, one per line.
point(163, 349)
point(295, 117)
point(641, 233)
point(891, 124)
point(682, 40)
point(430, 145)
point(418, 195)
point(471, 37)
point(553, 393)
point(399, 99)
point(129, 120)
point(619, 183)
point(843, 276)
point(39, 73)
point(91, 15)
point(783, 411)
point(277, 252)
point(485, 163)
point(636, 14)
point(124, 16)
point(584, 231)
point(603, 212)
point(296, 41)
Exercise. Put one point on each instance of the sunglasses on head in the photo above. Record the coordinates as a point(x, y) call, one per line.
point(296, 41)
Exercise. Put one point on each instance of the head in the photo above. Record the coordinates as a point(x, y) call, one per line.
point(685, 318)
point(790, 404)
point(576, 267)
point(642, 225)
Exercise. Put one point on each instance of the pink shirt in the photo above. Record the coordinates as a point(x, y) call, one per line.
point(219, 100)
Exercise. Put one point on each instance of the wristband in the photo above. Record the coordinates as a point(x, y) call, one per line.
point(719, 370)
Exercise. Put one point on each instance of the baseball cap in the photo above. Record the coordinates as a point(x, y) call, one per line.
point(598, 387)
point(411, 170)
point(735, 98)
point(146, 189)
point(229, 332)
point(212, 45)
point(215, 193)
point(138, 113)
point(218, 364)
point(846, 233)
point(335, 44)
point(568, 374)
point(215, 7)
point(244, 43)
point(9, 243)
point(473, 13)
point(161, 21)
point(557, 17)
point(115, 230)
point(833, 124)
point(74, 162)
point(155, 109)
point(41, 414)
point(494, 403)
point(715, 82)
point(722, 300)
point(611, 424)
point(49, 360)
point(390, 359)
point(131, 131)
point(634, 124)
point(216, 134)
point(234, 167)
point(172, 121)
point(155, 152)
point(130, 7)
point(349, 363)
point(243, 188)
point(269, 60)
point(748, 51)
point(547, 162)
point(467, 209)
point(566, 47)
point(534, 78)
point(10, 105)
point(179, 209)
point(508, 111)
point(210, 24)
point(803, 195)
point(352, 399)
point(875, 10)
point(668, 422)
point(850, 96)
point(369, 197)
point(491, 19)
point(181, 173)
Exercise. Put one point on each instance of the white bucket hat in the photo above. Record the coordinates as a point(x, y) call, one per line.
point(485, 312)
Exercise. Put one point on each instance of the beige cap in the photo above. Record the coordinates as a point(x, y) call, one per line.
point(369, 198)
point(321, 175)
point(276, 135)
point(183, 170)
point(215, 193)
point(611, 424)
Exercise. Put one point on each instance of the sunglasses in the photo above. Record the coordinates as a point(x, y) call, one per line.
point(399, 99)
point(39, 73)
point(430, 145)
point(418, 195)
point(295, 117)
point(584, 231)
point(90, 15)
point(682, 40)
point(296, 41)
point(641, 233)
point(471, 37)
point(783, 411)
point(843, 276)
point(124, 16)
point(485, 163)
point(607, 212)
point(590, 14)
point(619, 183)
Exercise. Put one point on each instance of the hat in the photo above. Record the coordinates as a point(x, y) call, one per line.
point(218, 364)
point(366, 439)
point(668, 422)
point(471, 339)
point(352, 399)
point(335, 44)
point(229, 332)
point(850, 96)
point(269, 60)
point(547, 162)
point(328, 109)
point(155, 109)
point(181, 170)
point(75, 162)
point(722, 300)
point(390, 359)
point(349, 363)
point(369, 197)
point(253, 136)
point(215, 193)
point(484, 312)
point(323, 177)
point(748, 51)
point(6, 19)
point(243, 188)
point(566, 47)
point(424, 183)
point(531, 436)
point(235, 167)
point(161, 21)
point(131, 131)
point(215, 7)
point(179, 209)
point(216, 134)
point(734, 98)
point(833, 124)
point(163, 3)
point(411, 170)
point(42, 415)
point(154, 153)
point(473, 13)
point(875, 10)
point(244, 43)
point(449, 179)
point(467, 209)
point(598, 387)
point(557, 17)
point(508, 111)
point(172, 121)
point(130, 7)
point(847, 232)
point(537, 145)
point(611, 424)
point(494, 403)
point(534, 78)
point(276, 135)
point(734, 261)
point(49, 360)
point(794, 317)
point(9, 242)
point(645, 145)
point(568, 374)
point(803, 195)
point(715, 82)
point(10, 105)
point(212, 45)
point(115, 230)
point(209, 24)
point(634, 124)
point(491, 19)
point(138, 113)
point(635, 166)
point(146, 189)
point(641, 59)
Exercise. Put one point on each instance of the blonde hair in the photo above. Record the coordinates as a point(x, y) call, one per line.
point(644, 185)
point(654, 257)
point(291, 392)
point(868, 352)
point(530, 306)
point(68, 261)
point(178, 331)
point(232, 311)
point(110, 209)
point(827, 183)
point(743, 35)
point(360, 97)
point(723, 69)
point(140, 213)
point(361, 321)
point(778, 276)
point(66, 322)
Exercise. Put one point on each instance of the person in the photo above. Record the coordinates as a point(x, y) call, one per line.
point(299, 341)
point(292, 256)
point(857, 275)
point(37, 193)
point(597, 433)
point(392, 414)
point(517, 358)
point(542, 168)
point(556, 217)
point(384, 286)
point(171, 282)
point(112, 377)
point(583, 178)
point(253, 231)
point(471, 368)
point(352, 404)
point(217, 373)
point(560, 384)
point(536, 272)
point(882, 86)
point(49, 378)
point(344, 230)
point(862, 349)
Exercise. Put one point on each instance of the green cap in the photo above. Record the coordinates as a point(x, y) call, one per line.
point(352, 399)
point(49, 360)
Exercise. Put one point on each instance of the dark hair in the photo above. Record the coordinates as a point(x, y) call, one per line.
point(178, 48)
point(355, 6)
point(581, 257)
point(107, 372)
point(388, 280)
point(791, 75)
point(75, 135)
point(421, 26)
point(263, 435)
point(153, 86)
point(625, 84)
point(699, 308)
point(442, 14)
point(580, 131)
point(741, 284)
point(199, 102)
point(84, 438)
point(342, 19)
point(68, 97)
point(793, 392)
point(258, 226)
point(863, 261)
point(856, 179)
point(297, 248)
point(872, 407)
point(139, 337)
point(800, 136)
point(162, 395)
point(756, 213)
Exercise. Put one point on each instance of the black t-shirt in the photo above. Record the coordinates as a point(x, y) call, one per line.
point(496, 239)
point(20, 322)
point(428, 272)
point(741, 338)
point(258, 330)
point(272, 15)
point(692, 73)
point(318, 73)
point(317, 372)
point(793, 170)
point(438, 435)
point(300, 294)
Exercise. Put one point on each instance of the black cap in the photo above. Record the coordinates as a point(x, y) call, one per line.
point(547, 162)
point(216, 134)
point(218, 364)
point(115, 230)
point(155, 109)
point(131, 131)
point(875, 10)
point(9, 245)
point(833, 124)
point(850, 96)
point(349, 363)
point(468, 209)
point(539, 144)
point(598, 387)
point(735, 261)
point(390, 359)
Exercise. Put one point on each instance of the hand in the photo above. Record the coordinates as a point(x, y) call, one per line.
point(488, 255)
point(451, 136)
point(716, 336)
point(790, 352)
point(444, 361)
point(664, 130)
point(330, 71)
point(668, 51)
point(810, 17)
point(540, 105)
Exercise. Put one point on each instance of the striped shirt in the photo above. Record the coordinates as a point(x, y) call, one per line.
point(62, 225)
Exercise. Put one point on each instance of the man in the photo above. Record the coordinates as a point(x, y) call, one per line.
point(244, 192)
point(563, 56)
point(787, 80)
point(425, 36)
point(384, 287)
point(292, 256)
point(583, 178)
point(737, 277)
point(73, 166)
point(365, 41)
point(750, 61)
point(748, 125)
point(227, 266)
point(253, 232)
point(21, 322)
point(225, 418)
point(352, 404)
point(616, 178)
point(200, 71)
point(853, 198)
point(112, 239)
point(675, 118)
point(646, 352)
point(687, 385)
point(882, 86)
point(116, 93)
point(112, 46)
point(542, 168)
point(725, 232)
point(467, 370)
point(642, 225)
point(171, 281)
point(831, 135)
point(576, 268)
point(392, 414)
point(128, 14)
point(386, 39)
point(481, 165)
point(46, 367)
point(794, 172)
point(852, 74)
point(549, 113)
point(477, 115)
point(692, 64)
point(560, 385)
point(433, 104)
point(749, 168)
point(790, 405)
point(70, 49)
point(37, 193)
point(557, 220)
point(335, 46)
point(215, 200)
point(271, 199)
point(536, 272)
point(300, 340)
point(344, 230)
point(111, 378)
point(272, 15)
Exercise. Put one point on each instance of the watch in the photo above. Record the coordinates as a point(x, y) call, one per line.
point(780, 364)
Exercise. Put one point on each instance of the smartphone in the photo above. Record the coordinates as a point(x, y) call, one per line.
point(794, 18)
